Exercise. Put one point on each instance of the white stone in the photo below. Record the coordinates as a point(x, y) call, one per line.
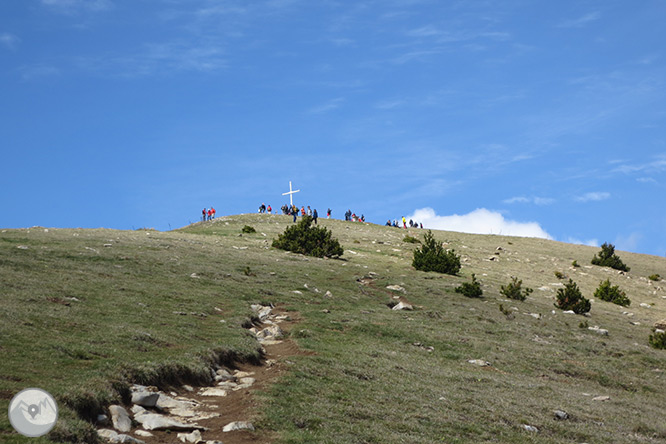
point(213, 391)
point(120, 418)
point(155, 421)
point(144, 433)
point(238, 425)
point(402, 306)
point(644, 305)
point(114, 437)
point(530, 428)
point(145, 399)
point(479, 362)
point(396, 288)
point(193, 437)
point(601, 398)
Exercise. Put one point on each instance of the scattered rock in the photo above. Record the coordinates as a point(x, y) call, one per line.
point(534, 315)
point(145, 399)
point(120, 418)
point(22, 247)
point(402, 306)
point(660, 325)
point(194, 276)
point(144, 433)
point(102, 420)
point(270, 332)
point(188, 388)
point(479, 362)
point(601, 331)
point(328, 294)
point(396, 288)
point(238, 425)
point(155, 421)
point(601, 398)
point(114, 437)
point(263, 312)
point(194, 437)
point(213, 391)
point(561, 415)
point(644, 305)
point(530, 428)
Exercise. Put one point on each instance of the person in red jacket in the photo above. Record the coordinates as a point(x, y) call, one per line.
point(212, 209)
point(203, 215)
point(210, 214)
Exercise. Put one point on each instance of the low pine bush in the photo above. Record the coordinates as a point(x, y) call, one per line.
point(654, 277)
point(611, 293)
point(607, 258)
point(471, 290)
point(433, 257)
point(515, 291)
point(570, 298)
point(658, 340)
point(305, 239)
point(248, 229)
point(411, 240)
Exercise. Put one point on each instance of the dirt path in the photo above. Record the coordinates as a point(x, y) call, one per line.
point(238, 404)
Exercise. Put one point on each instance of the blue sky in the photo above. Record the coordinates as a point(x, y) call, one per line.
point(534, 118)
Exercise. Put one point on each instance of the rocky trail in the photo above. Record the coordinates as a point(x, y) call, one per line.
point(221, 413)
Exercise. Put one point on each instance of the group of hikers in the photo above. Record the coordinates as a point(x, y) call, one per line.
point(412, 224)
point(349, 216)
point(208, 214)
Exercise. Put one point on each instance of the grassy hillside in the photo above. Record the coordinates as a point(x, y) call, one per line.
point(84, 311)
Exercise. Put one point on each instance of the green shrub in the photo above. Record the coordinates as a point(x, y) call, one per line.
point(433, 257)
point(471, 290)
point(658, 340)
point(575, 264)
point(560, 275)
point(654, 277)
point(515, 291)
point(607, 258)
point(305, 239)
point(248, 229)
point(570, 298)
point(411, 240)
point(611, 293)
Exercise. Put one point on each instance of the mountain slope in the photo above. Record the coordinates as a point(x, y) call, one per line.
point(84, 303)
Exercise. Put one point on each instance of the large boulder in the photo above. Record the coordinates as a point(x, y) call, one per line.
point(120, 418)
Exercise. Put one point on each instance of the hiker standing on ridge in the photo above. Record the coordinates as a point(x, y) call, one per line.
point(328, 214)
point(404, 222)
point(212, 210)
point(203, 215)
point(315, 216)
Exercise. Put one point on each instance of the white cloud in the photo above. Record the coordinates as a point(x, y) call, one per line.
point(580, 21)
point(70, 6)
point(628, 243)
point(593, 197)
point(479, 221)
point(657, 165)
point(589, 242)
point(9, 40)
point(533, 200)
point(328, 106)
point(33, 72)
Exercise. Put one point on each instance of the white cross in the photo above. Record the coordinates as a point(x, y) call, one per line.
point(291, 195)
